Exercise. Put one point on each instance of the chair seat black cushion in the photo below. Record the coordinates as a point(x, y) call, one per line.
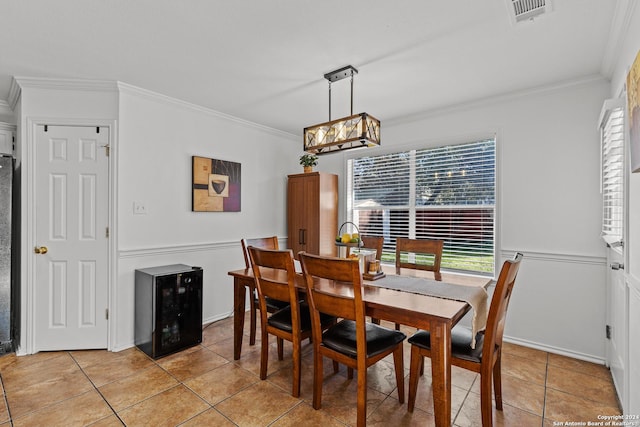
point(281, 319)
point(275, 305)
point(272, 304)
point(460, 343)
point(342, 338)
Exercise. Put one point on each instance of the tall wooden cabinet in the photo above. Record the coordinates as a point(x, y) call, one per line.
point(312, 213)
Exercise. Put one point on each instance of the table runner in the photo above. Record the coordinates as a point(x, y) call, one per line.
point(475, 296)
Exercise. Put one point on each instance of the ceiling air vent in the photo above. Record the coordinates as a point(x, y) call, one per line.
point(527, 10)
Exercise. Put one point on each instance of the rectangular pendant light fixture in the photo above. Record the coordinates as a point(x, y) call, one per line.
point(353, 131)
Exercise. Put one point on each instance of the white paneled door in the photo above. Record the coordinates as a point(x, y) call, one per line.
point(617, 320)
point(71, 238)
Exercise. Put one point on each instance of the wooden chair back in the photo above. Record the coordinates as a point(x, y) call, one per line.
point(498, 309)
point(322, 271)
point(489, 363)
point(280, 286)
point(419, 247)
point(292, 323)
point(371, 242)
point(260, 242)
point(264, 243)
point(321, 274)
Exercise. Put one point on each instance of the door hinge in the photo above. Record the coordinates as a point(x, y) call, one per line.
point(106, 232)
point(106, 313)
point(608, 331)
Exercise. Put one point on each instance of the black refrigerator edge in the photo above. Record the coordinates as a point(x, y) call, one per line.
point(7, 253)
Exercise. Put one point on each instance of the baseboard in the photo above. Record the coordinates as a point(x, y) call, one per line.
point(205, 322)
point(555, 350)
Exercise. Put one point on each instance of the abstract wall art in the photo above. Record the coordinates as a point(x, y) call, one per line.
point(633, 99)
point(216, 185)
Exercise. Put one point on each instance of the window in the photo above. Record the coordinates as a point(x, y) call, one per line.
point(445, 193)
point(612, 170)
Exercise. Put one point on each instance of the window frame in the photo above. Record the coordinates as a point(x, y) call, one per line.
point(613, 239)
point(428, 144)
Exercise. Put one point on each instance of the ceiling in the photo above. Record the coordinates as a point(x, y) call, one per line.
point(264, 60)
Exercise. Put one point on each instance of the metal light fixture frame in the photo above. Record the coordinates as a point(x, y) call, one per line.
point(354, 131)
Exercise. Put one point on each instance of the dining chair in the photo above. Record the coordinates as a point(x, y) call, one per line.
point(272, 305)
point(292, 323)
point(420, 249)
point(485, 358)
point(352, 341)
point(371, 242)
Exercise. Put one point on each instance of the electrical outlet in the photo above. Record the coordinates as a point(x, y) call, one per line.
point(139, 208)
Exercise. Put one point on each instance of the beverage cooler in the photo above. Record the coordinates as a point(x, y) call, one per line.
point(168, 309)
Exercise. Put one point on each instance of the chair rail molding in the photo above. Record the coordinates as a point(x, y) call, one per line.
point(556, 257)
point(183, 248)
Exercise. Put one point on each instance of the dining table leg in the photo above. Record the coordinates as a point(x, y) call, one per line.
point(441, 372)
point(239, 296)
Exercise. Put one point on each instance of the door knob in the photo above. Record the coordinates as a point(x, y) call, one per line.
point(617, 266)
point(40, 250)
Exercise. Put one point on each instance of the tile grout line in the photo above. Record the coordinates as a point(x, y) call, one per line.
point(6, 401)
point(544, 398)
point(466, 396)
point(97, 390)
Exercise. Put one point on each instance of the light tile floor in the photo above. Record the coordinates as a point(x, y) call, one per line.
point(204, 386)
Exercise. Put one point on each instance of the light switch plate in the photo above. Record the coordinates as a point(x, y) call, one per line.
point(139, 208)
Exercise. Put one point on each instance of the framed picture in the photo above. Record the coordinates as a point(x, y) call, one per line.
point(216, 185)
point(633, 100)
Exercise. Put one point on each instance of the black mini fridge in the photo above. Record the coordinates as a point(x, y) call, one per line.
point(168, 309)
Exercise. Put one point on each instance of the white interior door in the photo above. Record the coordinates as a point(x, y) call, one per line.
point(617, 319)
point(71, 238)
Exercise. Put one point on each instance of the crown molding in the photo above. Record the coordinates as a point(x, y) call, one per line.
point(164, 99)
point(5, 108)
point(448, 109)
point(19, 83)
point(14, 94)
point(619, 28)
point(66, 84)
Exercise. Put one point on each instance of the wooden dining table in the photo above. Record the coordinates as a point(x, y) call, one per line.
point(437, 315)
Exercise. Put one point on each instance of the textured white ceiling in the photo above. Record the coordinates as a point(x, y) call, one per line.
point(264, 60)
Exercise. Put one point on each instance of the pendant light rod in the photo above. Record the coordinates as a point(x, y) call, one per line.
point(351, 114)
point(329, 100)
point(339, 74)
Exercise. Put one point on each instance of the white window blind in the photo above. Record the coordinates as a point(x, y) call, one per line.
point(612, 173)
point(445, 193)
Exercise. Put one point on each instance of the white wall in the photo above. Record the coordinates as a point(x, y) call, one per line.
point(549, 204)
point(157, 137)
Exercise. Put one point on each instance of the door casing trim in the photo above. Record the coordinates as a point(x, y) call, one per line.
point(27, 344)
